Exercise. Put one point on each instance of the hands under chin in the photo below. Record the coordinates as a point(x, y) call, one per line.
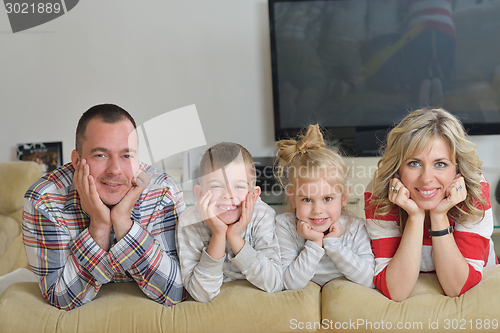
point(121, 212)
point(102, 218)
point(454, 194)
point(306, 231)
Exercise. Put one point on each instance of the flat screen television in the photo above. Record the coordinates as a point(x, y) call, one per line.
point(357, 67)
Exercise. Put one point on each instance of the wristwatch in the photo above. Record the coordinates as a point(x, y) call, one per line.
point(443, 232)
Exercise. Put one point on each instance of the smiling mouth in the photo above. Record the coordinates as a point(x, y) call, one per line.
point(427, 194)
point(318, 221)
point(112, 185)
point(227, 208)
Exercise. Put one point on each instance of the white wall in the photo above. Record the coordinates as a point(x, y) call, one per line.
point(148, 57)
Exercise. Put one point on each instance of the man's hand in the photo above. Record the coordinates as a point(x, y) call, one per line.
point(121, 212)
point(98, 212)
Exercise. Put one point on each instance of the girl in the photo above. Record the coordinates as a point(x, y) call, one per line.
point(319, 240)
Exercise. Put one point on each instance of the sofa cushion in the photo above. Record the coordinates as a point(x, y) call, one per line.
point(122, 307)
point(426, 309)
point(15, 179)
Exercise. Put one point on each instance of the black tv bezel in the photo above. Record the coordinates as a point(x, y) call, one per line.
point(346, 136)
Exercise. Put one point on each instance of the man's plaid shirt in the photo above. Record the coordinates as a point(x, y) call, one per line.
point(71, 267)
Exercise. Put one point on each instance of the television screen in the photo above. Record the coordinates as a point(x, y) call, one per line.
point(357, 67)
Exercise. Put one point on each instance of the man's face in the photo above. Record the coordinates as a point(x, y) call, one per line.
point(111, 152)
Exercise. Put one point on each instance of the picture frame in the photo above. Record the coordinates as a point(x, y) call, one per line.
point(47, 154)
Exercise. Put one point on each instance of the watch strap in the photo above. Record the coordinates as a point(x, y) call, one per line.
point(443, 232)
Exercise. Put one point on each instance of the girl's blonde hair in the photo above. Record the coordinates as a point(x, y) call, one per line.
point(408, 139)
point(308, 159)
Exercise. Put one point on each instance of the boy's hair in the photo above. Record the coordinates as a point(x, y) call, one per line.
point(108, 113)
point(222, 154)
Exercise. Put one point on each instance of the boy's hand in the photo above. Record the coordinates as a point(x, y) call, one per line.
point(237, 228)
point(336, 230)
point(98, 212)
point(121, 212)
point(305, 231)
point(206, 210)
point(234, 231)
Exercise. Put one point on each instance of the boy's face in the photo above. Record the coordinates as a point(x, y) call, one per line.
point(230, 186)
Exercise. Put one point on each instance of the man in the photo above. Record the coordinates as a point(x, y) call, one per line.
point(103, 218)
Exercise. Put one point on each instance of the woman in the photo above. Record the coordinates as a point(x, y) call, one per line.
point(428, 207)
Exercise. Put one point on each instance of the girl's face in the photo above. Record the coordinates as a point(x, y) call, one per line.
point(318, 203)
point(429, 174)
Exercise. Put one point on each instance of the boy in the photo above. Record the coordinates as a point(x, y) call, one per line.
point(229, 234)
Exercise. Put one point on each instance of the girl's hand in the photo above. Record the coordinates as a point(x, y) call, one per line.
point(305, 231)
point(400, 195)
point(206, 210)
point(336, 230)
point(454, 194)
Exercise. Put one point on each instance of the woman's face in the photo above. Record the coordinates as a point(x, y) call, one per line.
point(429, 174)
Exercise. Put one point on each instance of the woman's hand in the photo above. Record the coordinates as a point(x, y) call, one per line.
point(454, 194)
point(400, 195)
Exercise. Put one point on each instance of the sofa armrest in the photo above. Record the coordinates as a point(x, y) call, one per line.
point(15, 179)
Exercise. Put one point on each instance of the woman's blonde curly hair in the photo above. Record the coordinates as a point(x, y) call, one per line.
point(408, 139)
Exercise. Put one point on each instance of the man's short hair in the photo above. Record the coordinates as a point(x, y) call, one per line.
point(108, 113)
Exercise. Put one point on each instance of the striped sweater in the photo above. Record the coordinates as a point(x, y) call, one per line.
point(303, 260)
point(258, 261)
point(473, 239)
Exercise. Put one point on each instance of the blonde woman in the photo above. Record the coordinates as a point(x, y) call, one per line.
point(319, 240)
point(428, 207)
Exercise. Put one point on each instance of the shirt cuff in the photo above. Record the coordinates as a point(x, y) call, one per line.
point(315, 247)
point(332, 244)
point(136, 245)
point(91, 257)
point(245, 258)
point(209, 264)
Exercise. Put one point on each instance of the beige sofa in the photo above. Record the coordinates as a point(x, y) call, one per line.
point(240, 307)
point(15, 179)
